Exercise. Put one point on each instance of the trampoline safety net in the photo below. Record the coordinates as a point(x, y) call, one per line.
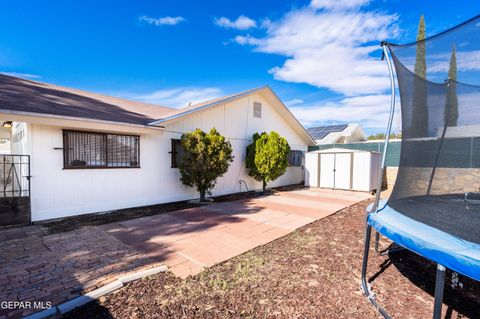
point(438, 181)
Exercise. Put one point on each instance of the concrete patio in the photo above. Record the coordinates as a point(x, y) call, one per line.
point(57, 267)
point(191, 239)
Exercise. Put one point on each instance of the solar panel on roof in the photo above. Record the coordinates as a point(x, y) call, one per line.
point(320, 132)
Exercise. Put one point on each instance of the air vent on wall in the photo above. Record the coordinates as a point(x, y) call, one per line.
point(257, 109)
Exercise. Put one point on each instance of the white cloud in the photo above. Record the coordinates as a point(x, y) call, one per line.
point(371, 111)
point(22, 75)
point(294, 102)
point(242, 23)
point(338, 4)
point(161, 21)
point(329, 48)
point(177, 97)
point(246, 40)
point(466, 61)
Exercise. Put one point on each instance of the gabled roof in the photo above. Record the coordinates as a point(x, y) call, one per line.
point(265, 90)
point(23, 96)
point(26, 97)
point(203, 105)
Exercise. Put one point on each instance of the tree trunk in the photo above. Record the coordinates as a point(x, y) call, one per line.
point(202, 196)
point(264, 186)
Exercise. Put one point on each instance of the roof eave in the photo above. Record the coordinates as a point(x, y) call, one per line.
point(304, 131)
point(73, 118)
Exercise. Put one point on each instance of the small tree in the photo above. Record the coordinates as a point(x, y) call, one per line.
point(420, 102)
point(207, 157)
point(267, 157)
point(451, 105)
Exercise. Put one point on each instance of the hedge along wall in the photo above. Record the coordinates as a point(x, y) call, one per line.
point(393, 152)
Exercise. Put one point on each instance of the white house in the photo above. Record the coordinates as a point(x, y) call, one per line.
point(337, 134)
point(93, 153)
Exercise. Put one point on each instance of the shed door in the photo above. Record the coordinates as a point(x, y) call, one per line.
point(327, 170)
point(343, 169)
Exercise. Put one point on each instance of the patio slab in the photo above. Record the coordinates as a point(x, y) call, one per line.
point(194, 238)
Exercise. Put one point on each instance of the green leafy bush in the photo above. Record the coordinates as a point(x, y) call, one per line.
point(207, 157)
point(267, 157)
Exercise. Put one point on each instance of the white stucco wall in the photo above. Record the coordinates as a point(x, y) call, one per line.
point(58, 193)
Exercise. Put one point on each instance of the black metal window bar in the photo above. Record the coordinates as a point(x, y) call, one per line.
point(177, 152)
point(295, 158)
point(100, 150)
point(15, 174)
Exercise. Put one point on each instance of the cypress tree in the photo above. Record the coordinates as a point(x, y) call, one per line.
point(420, 63)
point(451, 105)
point(452, 70)
point(420, 106)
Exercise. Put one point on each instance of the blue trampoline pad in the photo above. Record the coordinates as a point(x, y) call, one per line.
point(448, 250)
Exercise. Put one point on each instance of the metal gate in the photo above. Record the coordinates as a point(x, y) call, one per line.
point(14, 190)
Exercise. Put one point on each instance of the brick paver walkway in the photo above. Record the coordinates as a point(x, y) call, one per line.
point(59, 267)
point(39, 267)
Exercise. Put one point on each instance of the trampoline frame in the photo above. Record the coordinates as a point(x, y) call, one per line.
point(440, 275)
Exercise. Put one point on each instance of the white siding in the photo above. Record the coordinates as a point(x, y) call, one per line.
point(58, 193)
point(21, 138)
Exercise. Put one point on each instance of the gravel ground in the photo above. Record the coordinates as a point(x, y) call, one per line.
point(312, 273)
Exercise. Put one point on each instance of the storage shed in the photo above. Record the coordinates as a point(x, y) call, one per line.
point(339, 168)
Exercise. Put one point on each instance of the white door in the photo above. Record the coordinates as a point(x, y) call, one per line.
point(343, 162)
point(327, 170)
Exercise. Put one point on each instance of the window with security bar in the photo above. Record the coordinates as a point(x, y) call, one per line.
point(177, 152)
point(100, 150)
point(295, 158)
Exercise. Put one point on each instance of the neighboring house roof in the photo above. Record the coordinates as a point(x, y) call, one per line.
point(332, 134)
point(320, 132)
point(25, 96)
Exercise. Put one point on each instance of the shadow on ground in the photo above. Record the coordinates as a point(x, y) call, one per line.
point(421, 272)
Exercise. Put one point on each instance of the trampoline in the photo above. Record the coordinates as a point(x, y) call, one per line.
point(434, 207)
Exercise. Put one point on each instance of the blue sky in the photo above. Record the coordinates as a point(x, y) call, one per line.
point(319, 56)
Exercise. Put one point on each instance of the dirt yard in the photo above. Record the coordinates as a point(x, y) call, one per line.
point(312, 272)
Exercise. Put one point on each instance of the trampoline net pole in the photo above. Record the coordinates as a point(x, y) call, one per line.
point(439, 287)
point(442, 138)
point(389, 127)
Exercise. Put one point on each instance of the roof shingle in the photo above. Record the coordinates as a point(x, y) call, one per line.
point(28, 96)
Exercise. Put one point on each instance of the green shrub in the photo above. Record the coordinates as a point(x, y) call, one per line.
point(207, 157)
point(267, 157)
